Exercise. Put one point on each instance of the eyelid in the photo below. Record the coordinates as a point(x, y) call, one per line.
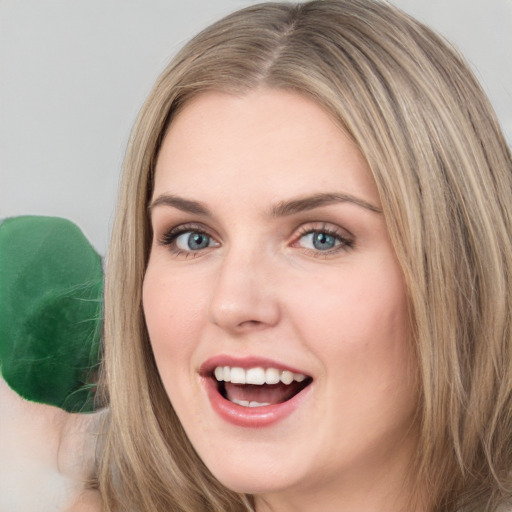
point(343, 235)
point(169, 236)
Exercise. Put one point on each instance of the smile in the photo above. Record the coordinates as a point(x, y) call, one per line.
point(253, 392)
point(257, 386)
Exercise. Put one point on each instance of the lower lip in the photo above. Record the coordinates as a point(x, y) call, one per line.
point(252, 417)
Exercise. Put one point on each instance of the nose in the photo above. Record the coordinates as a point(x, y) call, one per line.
point(244, 297)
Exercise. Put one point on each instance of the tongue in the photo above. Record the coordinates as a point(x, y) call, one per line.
point(267, 393)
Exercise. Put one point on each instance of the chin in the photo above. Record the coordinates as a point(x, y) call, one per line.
point(258, 482)
point(256, 473)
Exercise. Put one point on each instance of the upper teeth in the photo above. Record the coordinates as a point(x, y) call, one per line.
point(257, 375)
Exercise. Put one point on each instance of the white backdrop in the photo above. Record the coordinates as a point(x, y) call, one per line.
point(73, 74)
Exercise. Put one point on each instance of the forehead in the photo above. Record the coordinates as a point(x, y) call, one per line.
point(270, 143)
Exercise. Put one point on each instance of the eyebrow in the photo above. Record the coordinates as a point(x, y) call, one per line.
point(185, 205)
point(281, 209)
point(285, 208)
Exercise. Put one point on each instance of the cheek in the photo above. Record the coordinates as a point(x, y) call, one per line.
point(358, 326)
point(173, 312)
point(360, 306)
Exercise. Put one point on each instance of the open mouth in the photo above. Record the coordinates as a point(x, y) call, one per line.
point(258, 387)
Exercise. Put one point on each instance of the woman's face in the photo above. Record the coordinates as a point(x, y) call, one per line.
point(271, 264)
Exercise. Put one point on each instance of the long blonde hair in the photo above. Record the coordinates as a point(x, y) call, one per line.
point(444, 174)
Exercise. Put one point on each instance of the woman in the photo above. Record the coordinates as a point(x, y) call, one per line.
point(308, 295)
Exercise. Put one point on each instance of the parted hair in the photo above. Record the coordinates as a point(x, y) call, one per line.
point(444, 174)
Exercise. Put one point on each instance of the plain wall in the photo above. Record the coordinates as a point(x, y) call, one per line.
point(73, 74)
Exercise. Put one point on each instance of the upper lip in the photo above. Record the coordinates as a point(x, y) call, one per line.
point(246, 362)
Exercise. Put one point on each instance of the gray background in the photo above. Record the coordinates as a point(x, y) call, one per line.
point(73, 74)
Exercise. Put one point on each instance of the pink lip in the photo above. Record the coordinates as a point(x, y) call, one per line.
point(251, 417)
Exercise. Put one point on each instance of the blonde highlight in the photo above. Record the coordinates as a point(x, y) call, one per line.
point(444, 174)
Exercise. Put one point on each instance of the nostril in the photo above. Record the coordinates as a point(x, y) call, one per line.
point(250, 324)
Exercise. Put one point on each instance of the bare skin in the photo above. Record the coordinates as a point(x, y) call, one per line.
point(247, 177)
point(47, 456)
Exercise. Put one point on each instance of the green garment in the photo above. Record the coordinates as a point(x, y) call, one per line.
point(51, 284)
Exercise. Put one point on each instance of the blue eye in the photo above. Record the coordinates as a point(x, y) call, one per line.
point(319, 240)
point(193, 241)
point(187, 239)
point(324, 239)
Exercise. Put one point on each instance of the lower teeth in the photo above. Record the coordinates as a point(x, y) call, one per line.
point(245, 403)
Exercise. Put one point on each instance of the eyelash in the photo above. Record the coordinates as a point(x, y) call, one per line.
point(169, 238)
point(345, 243)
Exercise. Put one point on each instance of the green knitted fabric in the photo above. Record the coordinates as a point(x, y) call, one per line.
point(50, 311)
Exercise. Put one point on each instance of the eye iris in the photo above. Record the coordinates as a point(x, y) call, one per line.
point(323, 241)
point(197, 241)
